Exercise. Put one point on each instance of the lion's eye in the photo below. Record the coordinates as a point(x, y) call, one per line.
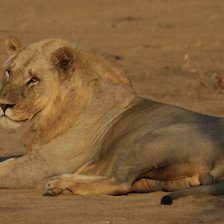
point(7, 73)
point(33, 81)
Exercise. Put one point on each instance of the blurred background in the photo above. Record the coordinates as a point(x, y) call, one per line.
point(172, 50)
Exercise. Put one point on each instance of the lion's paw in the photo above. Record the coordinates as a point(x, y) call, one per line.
point(55, 187)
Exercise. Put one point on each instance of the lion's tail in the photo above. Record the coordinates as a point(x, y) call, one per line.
point(214, 189)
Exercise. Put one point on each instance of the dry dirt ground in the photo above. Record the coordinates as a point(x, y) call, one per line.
point(172, 50)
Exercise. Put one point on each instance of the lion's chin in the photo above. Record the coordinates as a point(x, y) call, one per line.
point(6, 123)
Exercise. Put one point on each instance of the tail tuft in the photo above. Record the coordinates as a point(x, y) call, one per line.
point(166, 200)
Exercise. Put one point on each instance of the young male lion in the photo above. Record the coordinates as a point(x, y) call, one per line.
point(80, 119)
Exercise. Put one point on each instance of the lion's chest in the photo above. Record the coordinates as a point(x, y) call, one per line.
point(11, 143)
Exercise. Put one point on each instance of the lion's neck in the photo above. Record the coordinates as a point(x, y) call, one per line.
point(85, 114)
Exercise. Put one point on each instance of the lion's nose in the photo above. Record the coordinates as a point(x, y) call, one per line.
point(6, 106)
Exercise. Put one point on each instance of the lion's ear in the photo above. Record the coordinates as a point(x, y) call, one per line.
point(63, 58)
point(12, 44)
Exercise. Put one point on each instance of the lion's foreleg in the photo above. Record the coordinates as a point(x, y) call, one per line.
point(23, 172)
point(86, 185)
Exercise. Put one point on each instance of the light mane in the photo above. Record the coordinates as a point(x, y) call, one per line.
point(90, 74)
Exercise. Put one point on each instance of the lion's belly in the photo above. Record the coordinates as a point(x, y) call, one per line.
point(177, 171)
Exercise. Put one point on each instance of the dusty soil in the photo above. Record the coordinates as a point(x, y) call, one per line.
point(172, 50)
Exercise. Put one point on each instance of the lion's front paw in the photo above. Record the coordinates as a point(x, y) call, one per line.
point(55, 187)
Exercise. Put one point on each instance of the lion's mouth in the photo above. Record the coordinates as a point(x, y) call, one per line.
point(8, 120)
point(16, 121)
point(7, 115)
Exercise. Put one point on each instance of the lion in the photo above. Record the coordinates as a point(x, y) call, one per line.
point(84, 129)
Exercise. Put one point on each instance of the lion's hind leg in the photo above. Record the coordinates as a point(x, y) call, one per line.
point(85, 185)
point(144, 185)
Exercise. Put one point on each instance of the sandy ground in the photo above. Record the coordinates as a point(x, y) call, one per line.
point(172, 50)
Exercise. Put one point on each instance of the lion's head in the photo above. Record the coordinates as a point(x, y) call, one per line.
point(46, 81)
point(31, 77)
